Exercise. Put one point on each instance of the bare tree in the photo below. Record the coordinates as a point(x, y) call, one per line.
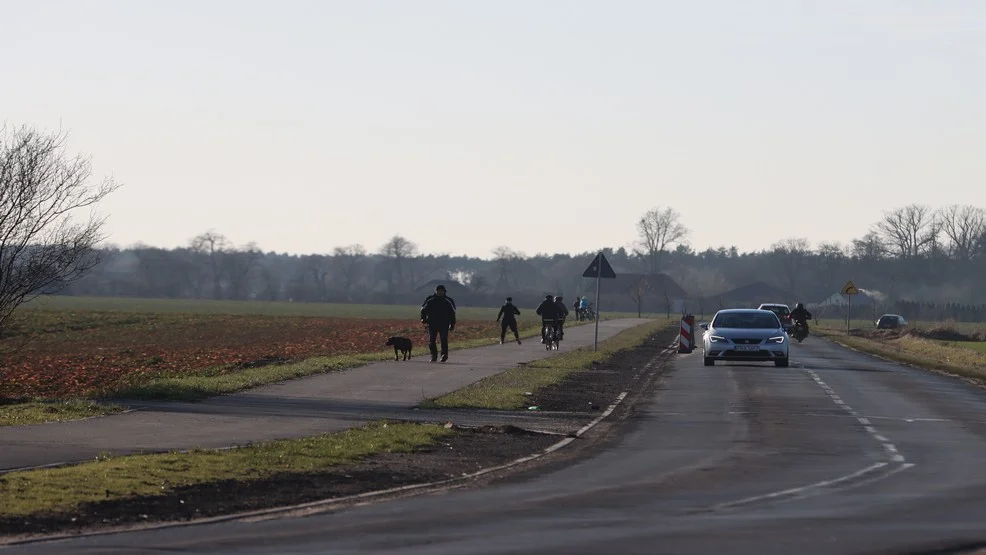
point(399, 249)
point(659, 230)
point(238, 267)
point(870, 247)
point(213, 245)
point(789, 255)
point(318, 267)
point(43, 247)
point(910, 231)
point(964, 226)
point(504, 258)
point(347, 261)
point(638, 292)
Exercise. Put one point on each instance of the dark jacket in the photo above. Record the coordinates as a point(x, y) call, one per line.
point(562, 310)
point(800, 315)
point(438, 311)
point(508, 312)
point(548, 310)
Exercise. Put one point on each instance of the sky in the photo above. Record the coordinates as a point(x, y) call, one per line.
point(544, 126)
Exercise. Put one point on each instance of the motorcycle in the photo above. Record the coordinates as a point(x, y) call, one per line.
point(798, 331)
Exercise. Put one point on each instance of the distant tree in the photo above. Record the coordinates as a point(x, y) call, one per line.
point(869, 247)
point(43, 246)
point(909, 231)
point(212, 245)
point(789, 256)
point(964, 226)
point(346, 263)
point(398, 249)
point(504, 259)
point(658, 231)
point(478, 283)
point(638, 292)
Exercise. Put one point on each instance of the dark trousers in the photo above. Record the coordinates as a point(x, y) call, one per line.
point(512, 324)
point(435, 331)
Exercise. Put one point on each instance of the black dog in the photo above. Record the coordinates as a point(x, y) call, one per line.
point(401, 344)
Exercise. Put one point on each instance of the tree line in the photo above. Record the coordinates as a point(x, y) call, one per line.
point(912, 254)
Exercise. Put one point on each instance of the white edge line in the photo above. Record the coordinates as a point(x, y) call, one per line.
point(802, 489)
point(337, 500)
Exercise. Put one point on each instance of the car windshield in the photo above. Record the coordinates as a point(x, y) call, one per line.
point(782, 310)
point(745, 320)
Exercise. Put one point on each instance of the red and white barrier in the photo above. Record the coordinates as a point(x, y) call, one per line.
point(686, 337)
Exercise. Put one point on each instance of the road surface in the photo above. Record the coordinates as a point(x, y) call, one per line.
point(840, 453)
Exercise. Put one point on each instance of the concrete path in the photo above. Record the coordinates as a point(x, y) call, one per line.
point(297, 408)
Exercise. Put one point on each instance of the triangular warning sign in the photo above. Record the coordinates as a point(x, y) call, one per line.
point(849, 289)
point(599, 268)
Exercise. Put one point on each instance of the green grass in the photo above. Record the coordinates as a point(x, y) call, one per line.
point(978, 346)
point(506, 391)
point(967, 359)
point(66, 489)
point(38, 412)
point(868, 324)
point(217, 381)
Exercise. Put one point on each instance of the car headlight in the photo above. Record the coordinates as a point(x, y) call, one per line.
point(778, 339)
point(717, 339)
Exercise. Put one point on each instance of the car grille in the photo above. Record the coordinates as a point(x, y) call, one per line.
point(743, 341)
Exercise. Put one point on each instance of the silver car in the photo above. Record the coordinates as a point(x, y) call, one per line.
point(745, 334)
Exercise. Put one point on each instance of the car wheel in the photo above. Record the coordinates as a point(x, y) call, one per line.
point(710, 361)
point(781, 363)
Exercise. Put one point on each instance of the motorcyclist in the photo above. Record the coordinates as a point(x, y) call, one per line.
point(800, 316)
point(548, 311)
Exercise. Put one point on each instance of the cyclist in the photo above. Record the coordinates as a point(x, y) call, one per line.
point(562, 314)
point(548, 311)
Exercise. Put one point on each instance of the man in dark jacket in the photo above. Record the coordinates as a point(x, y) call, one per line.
point(508, 314)
point(562, 314)
point(438, 313)
point(548, 310)
point(801, 315)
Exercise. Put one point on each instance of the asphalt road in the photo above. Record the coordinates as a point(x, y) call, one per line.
point(841, 453)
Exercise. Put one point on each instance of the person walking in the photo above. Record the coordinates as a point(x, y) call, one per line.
point(507, 318)
point(575, 308)
point(438, 313)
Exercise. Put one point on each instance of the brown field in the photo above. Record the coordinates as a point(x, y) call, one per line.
point(59, 354)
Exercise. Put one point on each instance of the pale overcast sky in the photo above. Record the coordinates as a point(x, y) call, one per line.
point(547, 126)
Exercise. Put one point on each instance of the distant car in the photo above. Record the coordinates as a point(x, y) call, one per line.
point(782, 311)
point(891, 322)
point(745, 334)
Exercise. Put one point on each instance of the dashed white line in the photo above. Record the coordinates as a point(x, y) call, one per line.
point(887, 446)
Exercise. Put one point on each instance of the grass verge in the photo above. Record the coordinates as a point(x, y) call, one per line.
point(39, 412)
point(943, 356)
point(221, 381)
point(67, 489)
point(507, 390)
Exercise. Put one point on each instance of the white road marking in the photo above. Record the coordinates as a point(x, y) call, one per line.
point(802, 491)
point(887, 446)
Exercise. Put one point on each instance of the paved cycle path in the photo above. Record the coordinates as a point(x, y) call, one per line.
point(303, 407)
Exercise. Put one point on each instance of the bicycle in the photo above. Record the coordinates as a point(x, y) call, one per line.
point(550, 334)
